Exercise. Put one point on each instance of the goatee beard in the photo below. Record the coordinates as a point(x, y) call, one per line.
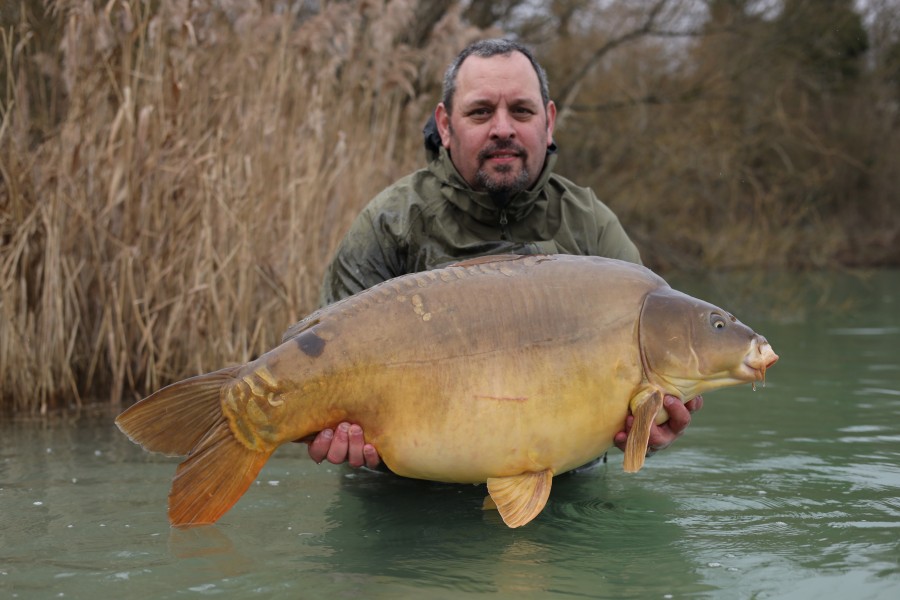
point(501, 189)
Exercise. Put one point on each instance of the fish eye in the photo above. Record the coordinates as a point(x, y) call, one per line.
point(717, 321)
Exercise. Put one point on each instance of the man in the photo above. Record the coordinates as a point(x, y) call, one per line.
point(489, 188)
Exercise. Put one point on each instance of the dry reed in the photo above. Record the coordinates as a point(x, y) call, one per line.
point(179, 215)
point(175, 175)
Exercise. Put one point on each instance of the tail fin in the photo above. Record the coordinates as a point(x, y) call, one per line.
point(215, 475)
point(186, 418)
point(174, 419)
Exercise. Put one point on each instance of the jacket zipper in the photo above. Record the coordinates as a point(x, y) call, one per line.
point(504, 222)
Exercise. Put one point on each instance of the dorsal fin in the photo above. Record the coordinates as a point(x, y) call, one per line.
point(491, 258)
point(520, 498)
point(300, 326)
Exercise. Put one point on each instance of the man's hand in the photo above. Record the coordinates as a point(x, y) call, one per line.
point(661, 436)
point(343, 444)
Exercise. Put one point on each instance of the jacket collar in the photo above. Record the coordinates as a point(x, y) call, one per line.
point(479, 204)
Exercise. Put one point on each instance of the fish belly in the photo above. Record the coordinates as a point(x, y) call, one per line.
point(495, 420)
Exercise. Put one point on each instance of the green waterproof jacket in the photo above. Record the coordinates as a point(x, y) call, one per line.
point(432, 218)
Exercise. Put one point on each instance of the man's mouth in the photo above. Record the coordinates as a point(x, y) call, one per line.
point(501, 155)
point(503, 158)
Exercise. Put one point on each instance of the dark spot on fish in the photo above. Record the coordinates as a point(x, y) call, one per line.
point(310, 343)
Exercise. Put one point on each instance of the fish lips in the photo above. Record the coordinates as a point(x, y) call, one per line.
point(758, 359)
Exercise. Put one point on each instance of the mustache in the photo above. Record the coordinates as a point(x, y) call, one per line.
point(501, 146)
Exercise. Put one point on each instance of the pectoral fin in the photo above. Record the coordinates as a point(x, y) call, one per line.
point(519, 498)
point(644, 407)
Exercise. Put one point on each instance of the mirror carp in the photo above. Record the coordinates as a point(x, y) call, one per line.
point(505, 370)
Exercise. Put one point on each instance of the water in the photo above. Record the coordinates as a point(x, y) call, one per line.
point(792, 491)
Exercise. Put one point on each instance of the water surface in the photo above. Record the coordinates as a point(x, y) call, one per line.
point(791, 491)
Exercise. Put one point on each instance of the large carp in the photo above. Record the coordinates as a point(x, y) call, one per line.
point(506, 370)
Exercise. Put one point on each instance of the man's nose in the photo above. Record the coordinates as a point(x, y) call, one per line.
point(502, 125)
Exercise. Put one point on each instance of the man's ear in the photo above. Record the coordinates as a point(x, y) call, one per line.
point(442, 118)
point(551, 121)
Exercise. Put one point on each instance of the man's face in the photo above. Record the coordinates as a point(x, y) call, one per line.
point(499, 130)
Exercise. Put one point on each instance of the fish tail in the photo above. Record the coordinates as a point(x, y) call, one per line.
point(213, 477)
point(186, 418)
point(174, 419)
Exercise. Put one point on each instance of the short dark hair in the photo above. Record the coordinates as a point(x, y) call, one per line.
point(486, 49)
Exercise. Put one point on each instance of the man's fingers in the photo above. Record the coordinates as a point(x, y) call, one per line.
point(694, 404)
point(318, 447)
point(355, 446)
point(679, 415)
point(345, 443)
point(337, 453)
point(371, 456)
point(668, 432)
point(663, 435)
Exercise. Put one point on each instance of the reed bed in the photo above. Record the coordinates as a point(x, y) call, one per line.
point(178, 215)
point(174, 176)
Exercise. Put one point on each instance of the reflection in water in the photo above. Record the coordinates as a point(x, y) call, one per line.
point(792, 491)
point(433, 534)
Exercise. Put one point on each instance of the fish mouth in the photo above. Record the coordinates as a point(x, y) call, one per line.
point(758, 359)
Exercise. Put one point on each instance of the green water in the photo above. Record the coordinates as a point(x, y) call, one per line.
point(792, 491)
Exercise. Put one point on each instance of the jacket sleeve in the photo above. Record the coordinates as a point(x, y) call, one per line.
point(613, 242)
point(366, 256)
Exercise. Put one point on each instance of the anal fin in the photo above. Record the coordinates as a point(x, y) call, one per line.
point(644, 407)
point(520, 498)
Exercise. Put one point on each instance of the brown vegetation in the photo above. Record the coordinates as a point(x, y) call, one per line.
point(174, 175)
